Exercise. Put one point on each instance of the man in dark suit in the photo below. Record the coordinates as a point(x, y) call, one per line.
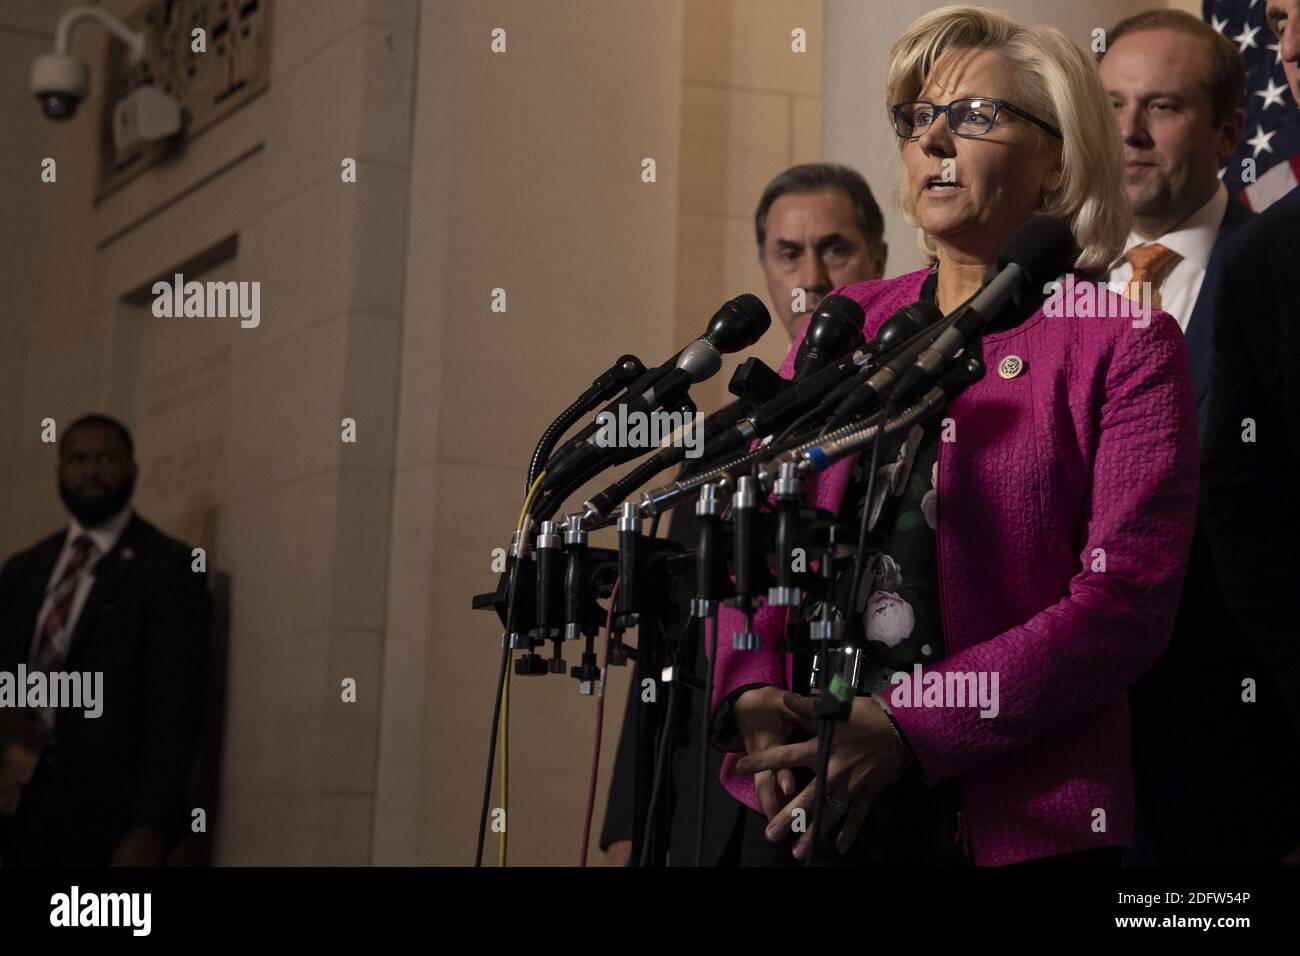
point(1250, 460)
point(818, 227)
point(1178, 88)
point(112, 596)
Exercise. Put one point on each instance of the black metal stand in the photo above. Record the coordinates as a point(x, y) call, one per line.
point(657, 582)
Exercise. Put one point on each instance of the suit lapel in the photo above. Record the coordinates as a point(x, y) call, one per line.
point(110, 571)
point(32, 596)
point(1200, 327)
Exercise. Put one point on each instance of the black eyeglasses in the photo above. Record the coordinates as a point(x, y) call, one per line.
point(969, 116)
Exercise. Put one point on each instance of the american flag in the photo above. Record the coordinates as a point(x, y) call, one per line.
point(1272, 133)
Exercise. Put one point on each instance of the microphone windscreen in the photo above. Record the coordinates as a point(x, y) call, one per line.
point(905, 323)
point(738, 324)
point(844, 309)
point(834, 330)
point(1042, 247)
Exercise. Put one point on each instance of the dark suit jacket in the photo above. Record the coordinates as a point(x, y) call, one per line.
point(1252, 512)
point(722, 811)
point(1252, 509)
point(1196, 746)
point(1200, 328)
point(145, 626)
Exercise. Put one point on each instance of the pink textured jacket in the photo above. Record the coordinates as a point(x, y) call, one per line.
point(1065, 511)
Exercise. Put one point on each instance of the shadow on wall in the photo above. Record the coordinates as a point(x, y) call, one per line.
point(205, 776)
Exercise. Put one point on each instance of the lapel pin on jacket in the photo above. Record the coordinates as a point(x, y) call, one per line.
point(1011, 366)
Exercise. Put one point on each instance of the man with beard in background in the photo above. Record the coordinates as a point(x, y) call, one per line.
point(109, 595)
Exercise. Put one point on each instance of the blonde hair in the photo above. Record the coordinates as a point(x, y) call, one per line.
point(1055, 81)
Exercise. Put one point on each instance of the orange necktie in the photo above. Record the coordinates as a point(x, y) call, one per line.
point(1151, 263)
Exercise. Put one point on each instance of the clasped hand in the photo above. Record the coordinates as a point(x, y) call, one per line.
point(865, 758)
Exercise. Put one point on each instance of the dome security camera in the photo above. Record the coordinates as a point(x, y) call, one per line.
point(59, 80)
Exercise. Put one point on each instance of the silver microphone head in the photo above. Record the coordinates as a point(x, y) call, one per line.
point(701, 359)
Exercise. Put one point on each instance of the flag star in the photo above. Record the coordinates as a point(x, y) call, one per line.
point(1246, 38)
point(1217, 23)
point(1272, 94)
point(1260, 140)
point(1276, 48)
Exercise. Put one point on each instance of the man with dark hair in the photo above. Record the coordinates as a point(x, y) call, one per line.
point(1250, 459)
point(818, 228)
point(1178, 88)
point(111, 596)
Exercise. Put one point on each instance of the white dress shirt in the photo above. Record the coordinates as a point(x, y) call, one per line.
point(105, 537)
point(1193, 240)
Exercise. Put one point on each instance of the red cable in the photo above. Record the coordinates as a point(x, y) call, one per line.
point(600, 723)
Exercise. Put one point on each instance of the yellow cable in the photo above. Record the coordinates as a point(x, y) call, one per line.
point(504, 731)
point(505, 790)
point(528, 500)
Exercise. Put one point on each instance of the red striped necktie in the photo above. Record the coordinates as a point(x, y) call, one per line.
point(49, 649)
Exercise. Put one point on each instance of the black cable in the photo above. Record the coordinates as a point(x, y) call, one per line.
point(546, 443)
point(512, 592)
point(556, 496)
point(852, 620)
point(661, 762)
point(825, 731)
point(612, 380)
point(797, 424)
point(616, 493)
point(712, 656)
point(492, 750)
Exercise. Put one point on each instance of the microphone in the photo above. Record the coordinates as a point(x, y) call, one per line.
point(799, 403)
point(900, 327)
point(834, 329)
point(818, 455)
point(901, 337)
point(737, 325)
point(1039, 251)
point(923, 319)
point(834, 313)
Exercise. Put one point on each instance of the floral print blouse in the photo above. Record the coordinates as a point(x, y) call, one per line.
point(898, 598)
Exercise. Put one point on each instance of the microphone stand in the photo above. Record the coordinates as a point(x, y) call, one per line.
point(708, 590)
point(625, 370)
point(658, 579)
point(835, 702)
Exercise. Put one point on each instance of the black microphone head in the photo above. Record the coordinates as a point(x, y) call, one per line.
point(904, 324)
point(1042, 247)
point(738, 324)
point(834, 330)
